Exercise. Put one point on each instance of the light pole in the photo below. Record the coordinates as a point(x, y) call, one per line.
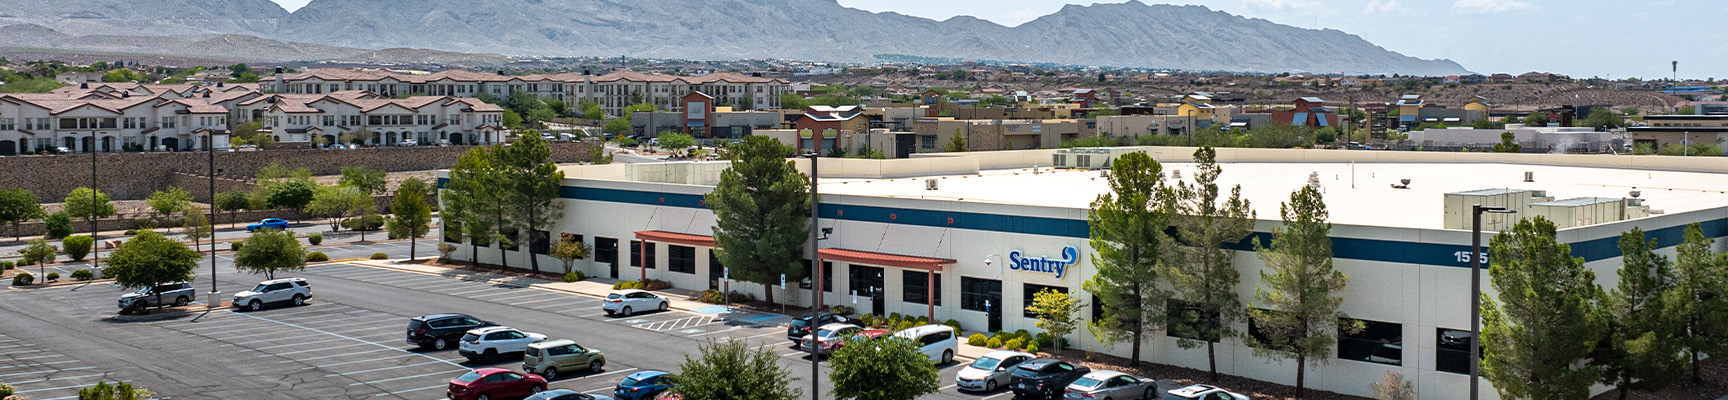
point(212, 150)
point(95, 234)
point(816, 266)
point(1476, 291)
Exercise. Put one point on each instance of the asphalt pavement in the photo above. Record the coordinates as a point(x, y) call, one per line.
point(347, 342)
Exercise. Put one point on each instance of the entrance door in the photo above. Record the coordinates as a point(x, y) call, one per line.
point(89, 145)
point(108, 144)
point(867, 281)
point(606, 250)
point(995, 316)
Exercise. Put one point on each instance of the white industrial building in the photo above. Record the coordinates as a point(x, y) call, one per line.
point(1393, 216)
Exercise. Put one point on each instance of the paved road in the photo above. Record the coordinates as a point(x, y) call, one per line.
point(347, 343)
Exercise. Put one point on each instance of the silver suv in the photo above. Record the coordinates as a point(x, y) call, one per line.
point(177, 294)
point(293, 291)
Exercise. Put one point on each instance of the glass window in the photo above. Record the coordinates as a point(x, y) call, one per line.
point(606, 250)
point(1452, 351)
point(827, 276)
point(913, 285)
point(1378, 342)
point(1188, 321)
point(510, 236)
point(975, 292)
point(541, 243)
point(1030, 292)
point(681, 259)
point(636, 254)
point(1259, 334)
point(866, 281)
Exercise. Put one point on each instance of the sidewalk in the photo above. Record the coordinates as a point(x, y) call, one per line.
point(678, 299)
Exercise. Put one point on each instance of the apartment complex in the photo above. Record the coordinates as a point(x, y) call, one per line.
point(347, 116)
point(120, 116)
point(612, 91)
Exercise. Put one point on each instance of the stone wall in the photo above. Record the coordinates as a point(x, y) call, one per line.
point(133, 176)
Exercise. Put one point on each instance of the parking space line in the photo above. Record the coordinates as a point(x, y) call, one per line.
point(534, 301)
point(52, 388)
point(380, 369)
point(21, 352)
point(998, 395)
point(18, 383)
point(445, 282)
point(27, 365)
point(286, 345)
point(546, 306)
point(322, 348)
point(46, 372)
point(464, 369)
point(357, 340)
point(410, 390)
point(489, 287)
point(377, 273)
point(514, 294)
point(411, 279)
point(17, 346)
point(35, 357)
point(334, 356)
point(603, 374)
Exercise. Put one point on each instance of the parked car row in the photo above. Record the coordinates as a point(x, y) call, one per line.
point(543, 359)
point(289, 291)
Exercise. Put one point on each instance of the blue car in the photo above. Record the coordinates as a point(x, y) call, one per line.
point(644, 385)
point(268, 223)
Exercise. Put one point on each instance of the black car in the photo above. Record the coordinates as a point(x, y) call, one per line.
point(801, 326)
point(1044, 378)
point(441, 331)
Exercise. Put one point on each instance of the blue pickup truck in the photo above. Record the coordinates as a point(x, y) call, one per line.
point(268, 223)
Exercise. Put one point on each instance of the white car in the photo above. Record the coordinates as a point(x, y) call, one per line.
point(489, 342)
point(629, 301)
point(993, 370)
point(936, 341)
point(408, 143)
point(1202, 392)
point(294, 291)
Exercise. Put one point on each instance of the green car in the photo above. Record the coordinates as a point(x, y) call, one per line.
point(551, 357)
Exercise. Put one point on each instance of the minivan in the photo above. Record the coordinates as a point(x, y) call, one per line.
point(937, 342)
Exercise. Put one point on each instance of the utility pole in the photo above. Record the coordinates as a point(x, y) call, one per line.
point(815, 265)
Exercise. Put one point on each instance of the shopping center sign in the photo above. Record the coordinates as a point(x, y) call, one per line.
point(1058, 266)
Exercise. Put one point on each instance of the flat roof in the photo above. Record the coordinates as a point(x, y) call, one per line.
point(1372, 202)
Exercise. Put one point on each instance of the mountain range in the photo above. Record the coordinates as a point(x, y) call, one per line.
point(1131, 34)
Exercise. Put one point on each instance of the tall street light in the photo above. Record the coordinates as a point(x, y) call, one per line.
point(95, 237)
point(815, 265)
point(1476, 258)
point(211, 147)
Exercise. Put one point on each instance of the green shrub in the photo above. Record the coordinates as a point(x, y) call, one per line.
point(843, 310)
point(59, 225)
point(1016, 344)
point(235, 246)
point(6, 265)
point(380, 256)
point(904, 325)
point(131, 232)
point(77, 246)
point(53, 276)
point(896, 317)
point(366, 223)
point(953, 323)
point(1023, 335)
point(977, 339)
point(23, 279)
point(710, 296)
point(5, 390)
point(1032, 348)
point(994, 343)
point(317, 256)
point(621, 285)
point(575, 276)
point(82, 275)
point(315, 238)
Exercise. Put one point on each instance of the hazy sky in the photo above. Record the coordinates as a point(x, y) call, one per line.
point(1582, 38)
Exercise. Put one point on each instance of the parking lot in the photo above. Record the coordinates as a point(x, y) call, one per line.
point(348, 341)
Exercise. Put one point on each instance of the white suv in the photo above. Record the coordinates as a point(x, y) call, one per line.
point(487, 343)
point(293, 291)
point(1202, 392)
point(936, 341)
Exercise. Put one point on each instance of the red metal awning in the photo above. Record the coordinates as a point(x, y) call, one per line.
point(884, 259)
point(675, 237)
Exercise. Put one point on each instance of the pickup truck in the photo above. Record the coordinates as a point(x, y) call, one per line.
point(268, 223)
point(176, 294)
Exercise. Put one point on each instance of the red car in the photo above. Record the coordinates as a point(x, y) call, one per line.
point(866, 334)
point(494, 383)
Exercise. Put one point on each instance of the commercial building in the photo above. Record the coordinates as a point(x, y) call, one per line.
point(612, 91)
point(1664, 130)
point(971, 236)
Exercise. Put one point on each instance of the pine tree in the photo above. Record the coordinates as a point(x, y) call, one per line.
point(1127, 226)
point(1546, 323)
point(1700, 296)
point(1204, 275)
point(410, 217)
point(761, 214)
point(1300, 288)
point(1641, 351)
point(530, 182)
point(471, 199)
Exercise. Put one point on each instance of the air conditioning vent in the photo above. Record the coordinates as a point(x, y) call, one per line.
point(930, 184)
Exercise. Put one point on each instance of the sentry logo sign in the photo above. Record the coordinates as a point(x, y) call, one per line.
point(1070, 255)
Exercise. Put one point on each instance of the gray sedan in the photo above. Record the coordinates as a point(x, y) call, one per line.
point(1111, 385)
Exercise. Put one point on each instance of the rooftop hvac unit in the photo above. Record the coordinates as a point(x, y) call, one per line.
point(930, 184)
point(1090, 157)
point(1529, 176)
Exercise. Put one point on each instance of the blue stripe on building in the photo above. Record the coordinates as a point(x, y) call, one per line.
point(1347, 248)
